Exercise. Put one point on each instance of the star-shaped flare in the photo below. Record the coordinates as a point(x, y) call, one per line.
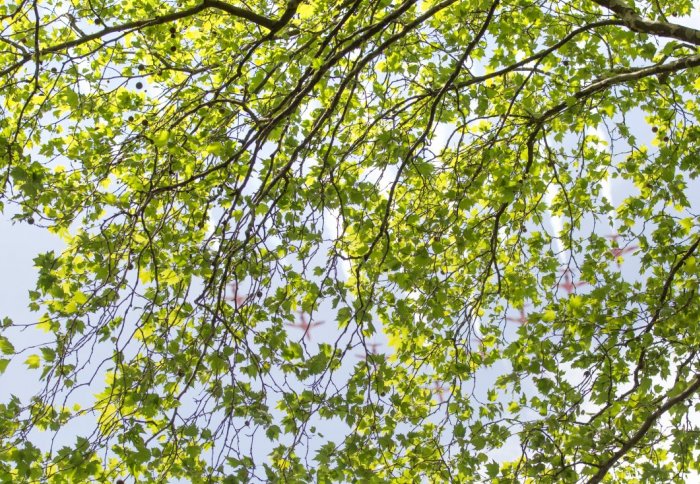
point(439, 390)
point(371, 349)
point(235, 297)
point(305, 324)
point(568, 284)
point(617, 252)
point(521, 319)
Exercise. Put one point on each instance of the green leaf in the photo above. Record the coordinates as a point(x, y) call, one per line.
point(269, 218)
point(6, 346)
point(33, 361)
point(161, 138)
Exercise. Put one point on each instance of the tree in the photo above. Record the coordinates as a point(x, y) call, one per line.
point(219, 170)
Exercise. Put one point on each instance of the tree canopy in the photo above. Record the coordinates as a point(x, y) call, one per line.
point(226, 175)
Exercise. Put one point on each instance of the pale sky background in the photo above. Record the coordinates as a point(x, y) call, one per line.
point(20, 243)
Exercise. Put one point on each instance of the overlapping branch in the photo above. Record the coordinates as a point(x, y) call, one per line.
point(636, 23)
point(690, 390)
point(273, 25)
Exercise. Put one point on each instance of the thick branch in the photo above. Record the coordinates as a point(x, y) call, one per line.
point(261, 20)
point(639, 434)
point(636, 23)
point(635, 75)
point(667, 285)
point(271, 24)
point(137, 24)
point(268, 23)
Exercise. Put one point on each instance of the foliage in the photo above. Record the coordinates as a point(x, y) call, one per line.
point(214, 168)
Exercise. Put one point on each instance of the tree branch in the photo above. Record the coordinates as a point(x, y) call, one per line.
point(635, 75)
point(258, 19)
point(636, 23)
point(267, 22)
point(669, 280)
point(271, 24)
point(639, 434)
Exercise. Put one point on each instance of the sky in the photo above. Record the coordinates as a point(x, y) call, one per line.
point(20, 243)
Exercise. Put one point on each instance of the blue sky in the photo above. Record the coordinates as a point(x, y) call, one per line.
point(20, 243)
